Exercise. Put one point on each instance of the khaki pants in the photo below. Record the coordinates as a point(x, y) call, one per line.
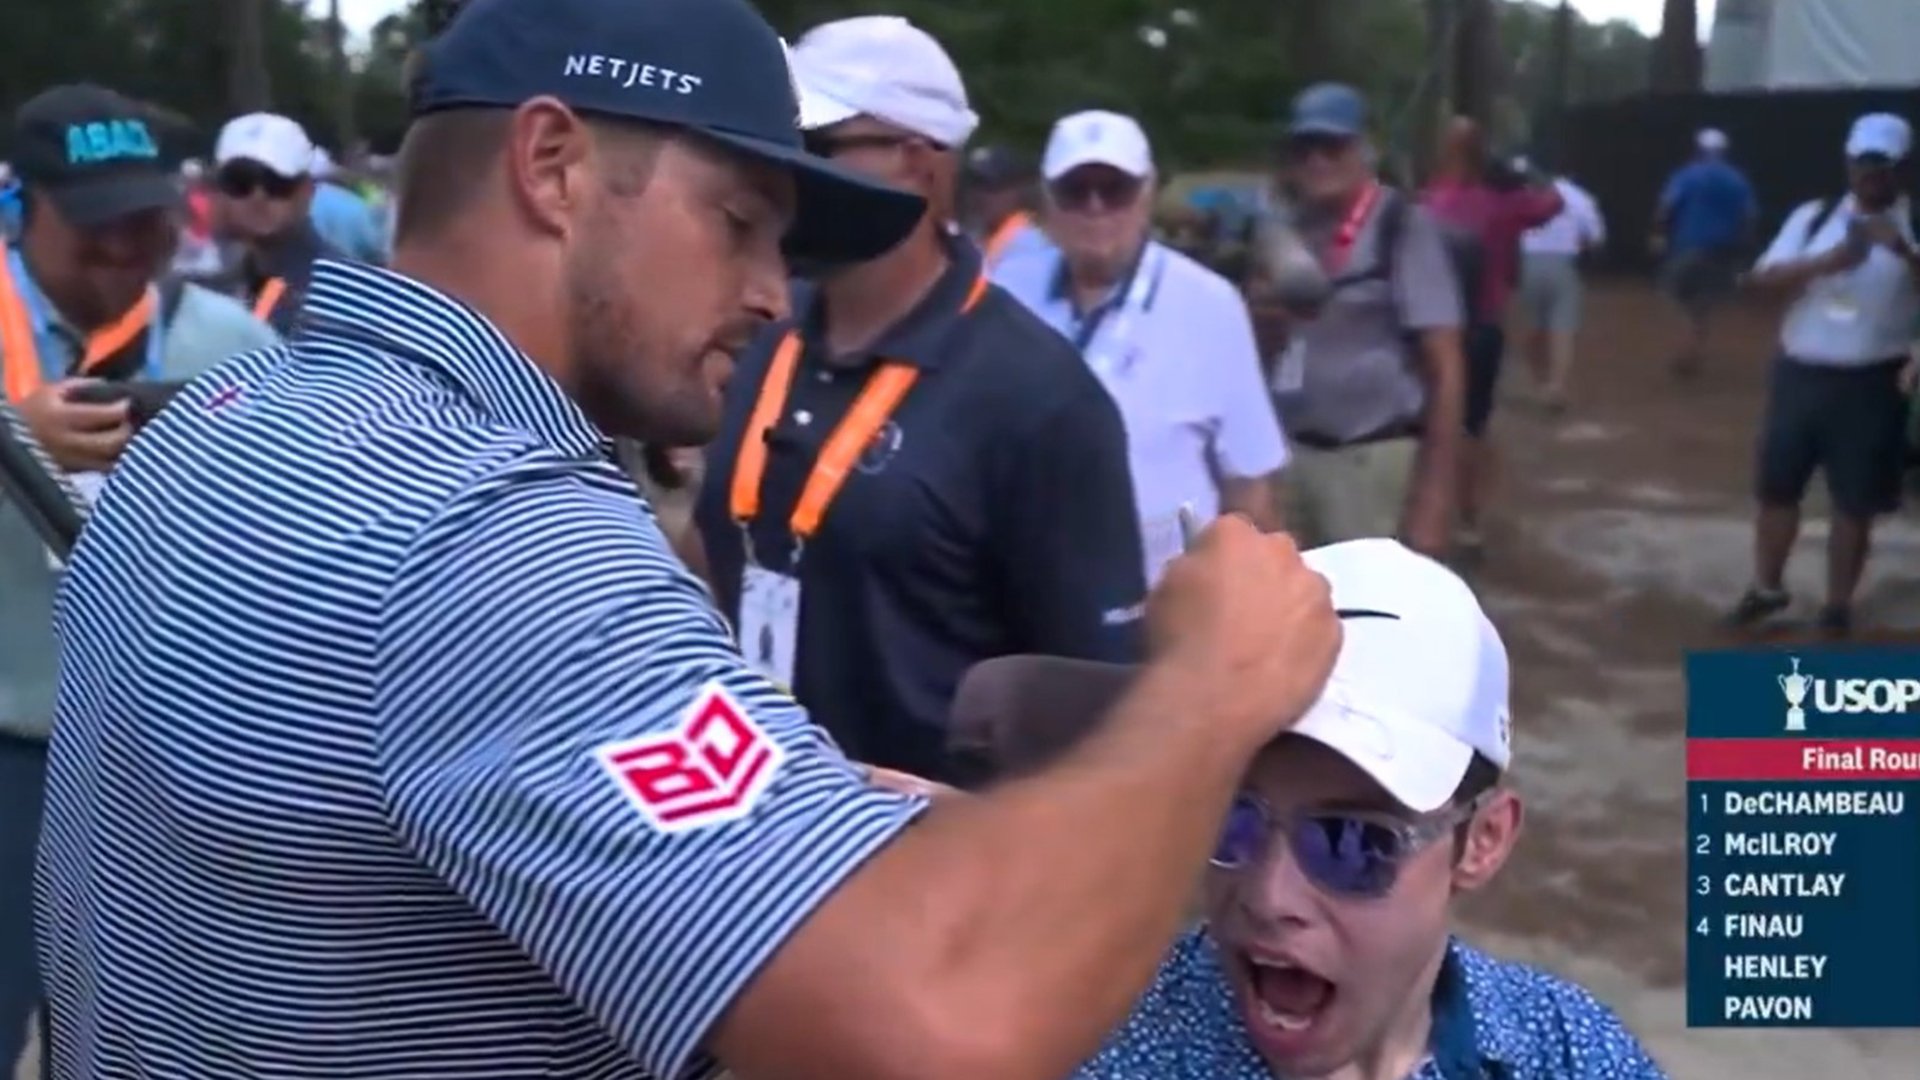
point(1348, 493)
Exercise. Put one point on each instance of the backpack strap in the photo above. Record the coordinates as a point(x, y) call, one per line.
point(1394, 207)
point(173, 289)
point(1818, 221)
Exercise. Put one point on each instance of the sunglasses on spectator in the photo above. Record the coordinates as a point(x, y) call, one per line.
point(1110, 189)
point(1302, 147)
point(1353, 854)
point(825, 145)
point(241, 181)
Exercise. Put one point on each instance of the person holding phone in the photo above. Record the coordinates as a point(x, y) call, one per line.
point(78, 307)
point(1837, 395)
point(395, 741)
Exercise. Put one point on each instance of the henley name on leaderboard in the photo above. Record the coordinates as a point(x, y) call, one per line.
point(1789, 966)
point(1812, 803)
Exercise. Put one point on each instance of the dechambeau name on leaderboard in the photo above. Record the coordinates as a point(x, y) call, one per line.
point(1889, 803)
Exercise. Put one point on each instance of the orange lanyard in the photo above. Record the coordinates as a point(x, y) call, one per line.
point(1349, 231)
point(269, 298)
point(21, 354)
point(1004, 234)
point(884, 391)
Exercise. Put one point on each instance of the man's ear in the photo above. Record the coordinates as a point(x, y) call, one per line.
point(1490, 837)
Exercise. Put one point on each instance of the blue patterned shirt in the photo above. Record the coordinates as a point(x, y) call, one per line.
point(1492, 1021)
point(396, 742)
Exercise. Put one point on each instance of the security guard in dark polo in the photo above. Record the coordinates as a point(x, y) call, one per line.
point(916, 474)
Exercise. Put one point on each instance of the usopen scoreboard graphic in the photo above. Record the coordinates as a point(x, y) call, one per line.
point(1803, 838)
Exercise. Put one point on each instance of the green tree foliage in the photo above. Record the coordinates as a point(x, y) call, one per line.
point(1207, 77)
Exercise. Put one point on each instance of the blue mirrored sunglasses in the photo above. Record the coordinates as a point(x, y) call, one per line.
point(1356, 854)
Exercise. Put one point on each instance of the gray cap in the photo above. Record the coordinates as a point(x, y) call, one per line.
point(1328, 109)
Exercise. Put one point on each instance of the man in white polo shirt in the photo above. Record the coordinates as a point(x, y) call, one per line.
point(1550, 284)
point(1836, 401)
point(1170, 339)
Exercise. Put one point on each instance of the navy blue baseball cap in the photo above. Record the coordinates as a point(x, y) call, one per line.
point(94, 153)
point(713, 67)
point(1328, 109)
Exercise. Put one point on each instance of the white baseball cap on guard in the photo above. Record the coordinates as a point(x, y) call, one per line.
point(1419, 688)
point(885, 67)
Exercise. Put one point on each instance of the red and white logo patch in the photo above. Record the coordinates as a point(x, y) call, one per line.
point(713, 768)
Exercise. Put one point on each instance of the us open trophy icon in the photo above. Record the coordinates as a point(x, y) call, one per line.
point(1795, 687)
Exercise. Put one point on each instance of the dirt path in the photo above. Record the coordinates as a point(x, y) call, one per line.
point(1623, 532)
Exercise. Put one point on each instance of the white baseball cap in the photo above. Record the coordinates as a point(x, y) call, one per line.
point(276, 141)
point(885, 67)
point(1097, 137)
point(1419, 688)
point(1711, 140)
point(1880, 133)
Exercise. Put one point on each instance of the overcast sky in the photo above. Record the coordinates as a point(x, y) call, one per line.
point(362, 14)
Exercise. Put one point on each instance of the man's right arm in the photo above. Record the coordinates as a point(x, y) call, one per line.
point(1432, 305)
point(801, 930)
point(1787, 266)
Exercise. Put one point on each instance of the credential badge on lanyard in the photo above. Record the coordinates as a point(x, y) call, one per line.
point(1113, 354)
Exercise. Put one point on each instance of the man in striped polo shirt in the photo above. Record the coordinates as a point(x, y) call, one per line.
point(395, 742)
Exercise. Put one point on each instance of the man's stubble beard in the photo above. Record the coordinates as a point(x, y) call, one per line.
point(620, 381)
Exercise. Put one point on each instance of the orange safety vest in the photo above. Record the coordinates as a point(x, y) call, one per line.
point(20, 352)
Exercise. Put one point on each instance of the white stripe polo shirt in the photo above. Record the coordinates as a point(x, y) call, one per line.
point(394, 740)
point(1173, 344)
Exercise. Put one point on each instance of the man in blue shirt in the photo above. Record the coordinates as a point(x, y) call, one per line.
point(1703, 224)
point(77, 304)
point(395, 741)
point(346, 221)
point(1326, 950)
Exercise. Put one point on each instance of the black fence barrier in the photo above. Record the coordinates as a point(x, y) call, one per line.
point(1789, 143)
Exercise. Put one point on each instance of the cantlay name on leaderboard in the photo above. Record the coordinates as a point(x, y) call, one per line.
point(1811, 803)
point(1798, 886)
point(1793, 844)
point(1859, 759)
point(1797, 966)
